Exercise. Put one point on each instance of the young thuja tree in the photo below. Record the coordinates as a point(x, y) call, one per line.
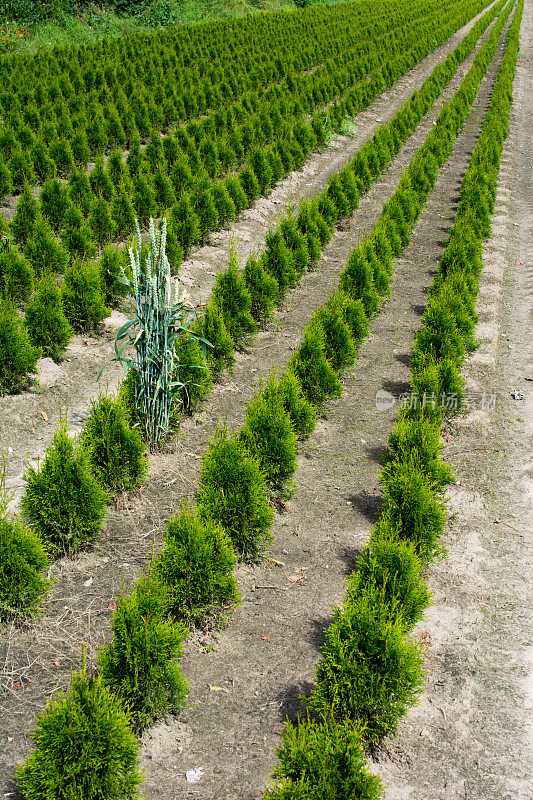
point(160, 319)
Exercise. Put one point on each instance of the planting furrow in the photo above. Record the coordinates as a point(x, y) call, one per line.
point(197, 276)
point(298, 579)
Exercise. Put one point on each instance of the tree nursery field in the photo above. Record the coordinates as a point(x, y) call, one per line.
point(265, 408)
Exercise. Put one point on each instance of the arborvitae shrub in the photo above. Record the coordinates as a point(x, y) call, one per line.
point(143, 200)
point(269, 437)
point(420, 439)
point(382, 248)
point(100, 221)
point(261, 168)
point(451, 386)
point(81, 152)
point(140, 664)
point(122, 213)
point(45, 320)
point(276, 165)
point(391, 232)
point(193, 375)
point(380, 275)
point(323, 759)
point(76, 236)
point(327, 209)
point(196, 566)
point(263, 289)
point(6, 182)
point(213, 329)
point(353, 313)
point(310, 365)
point(357, 281)
point(412, 511)
point(21, 169)
point(393, 570)
point(185, 224)
point(82, 298)
point(206, 211)
point(43, 252)
point(101, 183)
point(233, 493)
point(224, 205)
point(336, 193)
point(237, 194)
point(116, 450)
point(250, 185)
point(279, 262)
point(16, 277)
point(339, 345)
point(63, 500)
point(301, 412)
point(369, 671)
point(54, 202)
point(349, 187)
point(361, 170)
point(109, 269)
point(296, 242)
point(80, 191)
point(62, 156)
point(18, 357)
point(26, 215)
point(22, 561)
point(84, 747)
point(235, 302)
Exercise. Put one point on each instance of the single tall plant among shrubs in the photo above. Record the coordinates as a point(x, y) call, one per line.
point(63, 500)
point(161, 320)
point(196, 566)
point(84, 747)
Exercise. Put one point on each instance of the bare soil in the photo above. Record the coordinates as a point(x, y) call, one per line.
point(467, 737)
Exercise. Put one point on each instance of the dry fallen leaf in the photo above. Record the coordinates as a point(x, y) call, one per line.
point(17, 686)
point(294, 578)
point(111, 606)
point(44, 415)
point(10, 739)
point(88, 583)
point(218, 689)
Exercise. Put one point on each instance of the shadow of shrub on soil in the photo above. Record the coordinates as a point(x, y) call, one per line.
point(291, 706)
point(368, 505)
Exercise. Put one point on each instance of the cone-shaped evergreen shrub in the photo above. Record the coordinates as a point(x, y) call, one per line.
point(412, 511)
point(339, 345)
point(46, 256)
point(16, 277)
point(269, 437)
point(196, 566)
point(101, 183)
point(54, 202)
point(76, 236)
point(82, 298)
point(45, 320)
point(250, 185)
point(63, 500)
point(353, 313)
point(22, 561)
point(213, 329)
point(235, 302)
point(439, 336)
point(310, 365)
point(382, 248)
point(26, 215)
point(80, 191)
point(420, 439)
point(81, 152)
point(144, 200)
point(109, 269)
point(336, 193)
point(225, 207)
point(116, 451)
point(6, 182)
point(328, 210)
point(279, 262)
point(357, 281)
point(206, 211)
point(323, 759)
point(369, 671)
point(140, 665)
point(237, 194)
point(301, 412)
point(122, 213)
point(296, 242)
point(262, 170)
point(393, 570)
point(100, 221)
point(233, 493)
point(380, 276)
point(193, 375)
point(84, 747)
point(263, 289)
point(18, 357)
point(185, 224)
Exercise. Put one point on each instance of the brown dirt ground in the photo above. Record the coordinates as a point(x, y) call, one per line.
point(231, 734)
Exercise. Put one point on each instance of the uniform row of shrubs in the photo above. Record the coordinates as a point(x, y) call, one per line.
point(192, 576)
point(370, 672)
